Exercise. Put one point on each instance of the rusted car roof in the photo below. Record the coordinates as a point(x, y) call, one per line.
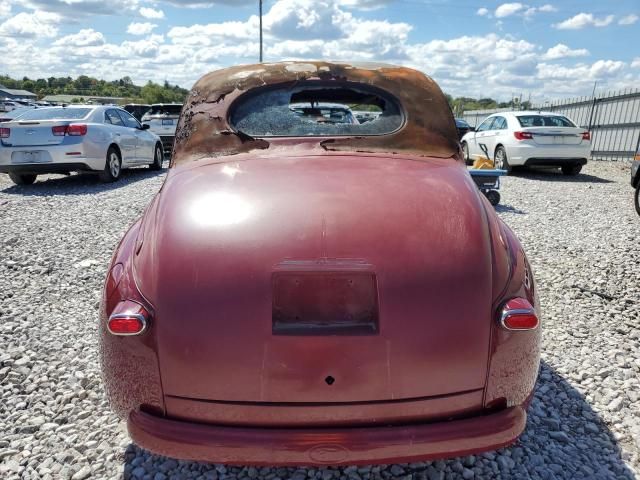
point(204, 129)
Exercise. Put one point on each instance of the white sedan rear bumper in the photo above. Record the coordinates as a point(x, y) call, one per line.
point(51, 158)
point(551, 155)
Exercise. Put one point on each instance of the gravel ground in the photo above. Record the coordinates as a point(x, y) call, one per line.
point(581, 235)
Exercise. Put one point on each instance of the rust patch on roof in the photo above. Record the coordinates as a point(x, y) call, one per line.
point(204, 130)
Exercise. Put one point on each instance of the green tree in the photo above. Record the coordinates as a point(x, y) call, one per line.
point(85, 86)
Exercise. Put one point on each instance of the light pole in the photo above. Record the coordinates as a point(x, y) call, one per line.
point(260, 3)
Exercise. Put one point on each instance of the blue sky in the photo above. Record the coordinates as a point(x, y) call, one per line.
point(546, 49)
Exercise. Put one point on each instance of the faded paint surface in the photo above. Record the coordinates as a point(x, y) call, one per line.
point(204, 129)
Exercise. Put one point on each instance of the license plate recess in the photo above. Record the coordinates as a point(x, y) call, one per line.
point(325, 303)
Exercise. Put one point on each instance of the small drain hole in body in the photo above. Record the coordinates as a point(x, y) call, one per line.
point(329, 380)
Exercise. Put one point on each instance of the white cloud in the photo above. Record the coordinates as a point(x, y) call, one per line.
point(521, 9)
point(508, 9)
point(5, 9)
point(36, 24)
point(151, 13)
point(87, 37)
point(482, 11)
point(455, 63)
point(306, 29)
point(598, 70)
point(144, 28)
point(628, 19)
point(146, 48)
point(562, 51)
point(214, 33)
point(364, 4)
point(582, 20)
point(306, 19)
point(548, 8)
point(72, 9)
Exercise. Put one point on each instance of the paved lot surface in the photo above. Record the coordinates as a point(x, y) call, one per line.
point(581, 235)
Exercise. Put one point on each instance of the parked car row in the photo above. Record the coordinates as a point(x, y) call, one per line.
point(100, 139)
point(8, 105)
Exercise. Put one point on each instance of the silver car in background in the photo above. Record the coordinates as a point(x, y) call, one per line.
point(102, 139)
point(162, 119)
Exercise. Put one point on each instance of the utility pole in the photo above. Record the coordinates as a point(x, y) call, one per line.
point(260, 2)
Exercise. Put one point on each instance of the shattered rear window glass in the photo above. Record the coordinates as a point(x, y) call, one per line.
point(314, 108)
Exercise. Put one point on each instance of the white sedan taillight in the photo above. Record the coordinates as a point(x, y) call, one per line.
point(73, 130)
point(523, 135)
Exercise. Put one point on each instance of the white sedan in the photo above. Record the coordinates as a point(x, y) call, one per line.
point(102, 139)
point(529, 139)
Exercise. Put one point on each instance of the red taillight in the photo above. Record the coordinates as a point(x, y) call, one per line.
point(59, 130)
point(5, 132)
point(77, 129)
point(127, 325)
point(586, 135)
point(518, 314)
point(523, 135)
point(128, 318)
point(74, 130)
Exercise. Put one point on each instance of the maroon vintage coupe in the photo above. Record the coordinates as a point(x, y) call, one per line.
point(308, 289)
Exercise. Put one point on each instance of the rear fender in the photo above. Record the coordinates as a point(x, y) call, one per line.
point(129, 364)
point(514, 356)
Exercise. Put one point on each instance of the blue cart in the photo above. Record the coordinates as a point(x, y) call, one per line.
point(488, 181)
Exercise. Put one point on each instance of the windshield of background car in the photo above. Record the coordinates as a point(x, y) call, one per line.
point(462, 124)
point(164, 110)
point(544, 121)
point(61, 113)
point(129, 120)
point(315, 109)
point(486, 124)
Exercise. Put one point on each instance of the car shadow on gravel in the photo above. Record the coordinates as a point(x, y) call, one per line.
point(79, 183)
point(555, 175)
point(508, 209)
point(564, 439)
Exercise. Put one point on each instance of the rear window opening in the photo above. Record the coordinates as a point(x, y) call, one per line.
point(544, 121)
point(61, 113)
point(313, 108)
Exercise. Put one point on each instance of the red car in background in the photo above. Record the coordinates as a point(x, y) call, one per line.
point(304, 290)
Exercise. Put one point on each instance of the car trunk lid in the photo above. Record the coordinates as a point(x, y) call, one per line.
point(34, 133)
point(387, 258)
point(556, 135)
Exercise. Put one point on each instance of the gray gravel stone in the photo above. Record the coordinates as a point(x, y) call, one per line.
point(84, 472)
point(581, 236)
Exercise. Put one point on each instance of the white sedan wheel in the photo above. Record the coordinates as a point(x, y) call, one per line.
point(114, 165)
